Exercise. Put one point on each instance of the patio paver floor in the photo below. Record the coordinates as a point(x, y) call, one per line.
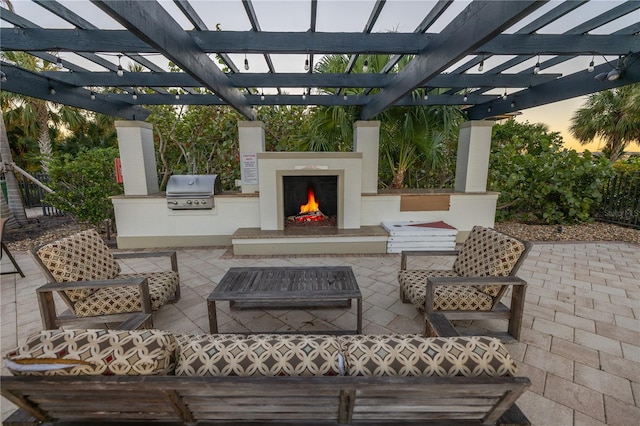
point(580, 344)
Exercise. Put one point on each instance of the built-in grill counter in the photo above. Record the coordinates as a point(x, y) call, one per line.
point(192, 192)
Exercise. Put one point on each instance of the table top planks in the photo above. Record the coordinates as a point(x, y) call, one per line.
point(287, 283)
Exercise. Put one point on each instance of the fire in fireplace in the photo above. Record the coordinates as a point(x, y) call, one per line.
point(310, 200)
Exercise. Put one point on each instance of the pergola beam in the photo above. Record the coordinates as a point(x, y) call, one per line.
point(478, 23)
point(33, 84)
point(79, 40)
point(153, 24)
point(574, 85)
point(146, 79)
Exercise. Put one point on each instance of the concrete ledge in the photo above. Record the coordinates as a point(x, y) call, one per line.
point(276, 246)
point(173, 241)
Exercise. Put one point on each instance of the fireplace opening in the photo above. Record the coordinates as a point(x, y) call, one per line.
point(310, 200)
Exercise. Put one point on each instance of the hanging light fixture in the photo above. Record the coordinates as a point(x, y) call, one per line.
point(365, 66)
point(262, 95)
point(426, 96)
point(306, 63)
point(513, 104)
point(120, 71)
point(135, 95)
point(3, 76)
point(59, 63)
point(52, 91)
point(465, 98)
point(92, 96)
point(504, 95)
point(536, 69)
point(481, 66)
point(591, 66)
point(246, 63)
point(177, 96)
point(344, 97)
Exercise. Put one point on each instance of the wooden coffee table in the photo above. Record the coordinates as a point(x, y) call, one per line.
point(287, 287)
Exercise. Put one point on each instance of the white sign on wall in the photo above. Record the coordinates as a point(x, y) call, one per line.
point(249, 168)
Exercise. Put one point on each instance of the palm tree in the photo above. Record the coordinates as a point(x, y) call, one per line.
point(13, 207)
point(613, 115)
point(408, 135)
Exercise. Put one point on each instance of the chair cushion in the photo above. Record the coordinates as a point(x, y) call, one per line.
point(259, 355)
point(488, 253)
point(415, 355)
point(80, 257)
point(114, 300)
point(455, 297)
point(94, 352)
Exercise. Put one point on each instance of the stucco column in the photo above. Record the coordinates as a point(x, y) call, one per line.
point(366, 139)
point(472, 165)
point(137, 157)
point(251, 138)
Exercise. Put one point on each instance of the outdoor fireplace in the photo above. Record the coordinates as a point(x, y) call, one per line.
point(310, 200)
point(336, 179)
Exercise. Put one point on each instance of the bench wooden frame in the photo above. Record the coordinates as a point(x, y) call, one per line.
point(172, 400)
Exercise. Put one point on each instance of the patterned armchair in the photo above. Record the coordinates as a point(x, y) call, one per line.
point(484, 269)
point(87, 276)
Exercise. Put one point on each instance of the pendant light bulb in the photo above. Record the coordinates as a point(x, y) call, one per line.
point(246, 63)
point(365, 67)
point(306, 64)
point(120, 71)
point(135, 95)
point(59, 63)
point(536, 69)
point(504, 96)
point(481, 66)
point(591, 66)
point(92, 96)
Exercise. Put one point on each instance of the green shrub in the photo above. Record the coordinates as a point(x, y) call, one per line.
point(84, 183)
point(628, 166)
point(539, 180)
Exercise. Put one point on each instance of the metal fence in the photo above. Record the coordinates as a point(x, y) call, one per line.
point(32, 194)
point(621, 201)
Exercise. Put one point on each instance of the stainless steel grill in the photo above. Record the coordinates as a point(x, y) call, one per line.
point(191, 192)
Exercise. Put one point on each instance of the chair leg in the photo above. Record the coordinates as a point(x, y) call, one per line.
point(517, 310)
point(403, 296)
point(13, 261)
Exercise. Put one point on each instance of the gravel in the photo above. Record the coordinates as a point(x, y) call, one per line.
point(41, 230)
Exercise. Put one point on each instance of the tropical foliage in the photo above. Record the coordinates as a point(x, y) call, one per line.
point(83, 184)
point(539, 180)
point(612, 115)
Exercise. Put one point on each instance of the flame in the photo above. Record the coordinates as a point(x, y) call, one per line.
point(312, 205)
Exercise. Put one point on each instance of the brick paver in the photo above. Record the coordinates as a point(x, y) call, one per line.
point(580, 343)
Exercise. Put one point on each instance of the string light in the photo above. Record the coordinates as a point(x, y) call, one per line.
point(365, 67)
point(481, 66)
point(465, 98)
point(135, 95)
point(504, 95)
point(262, 95)
point(246, 63)
point(513, 104)
point(59, 63)
point(52, 91)
point(426, 96)
point(591, 65)
point(120, 71)
point(536, 69)
point(177, 96)
point(306, 63)
point(3, 76)
point(92, 96)
point(344, 97)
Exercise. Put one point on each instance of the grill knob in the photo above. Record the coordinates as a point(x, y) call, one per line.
point(174, 202)
point(188, 201)
point(204, 202)
point(196, 202)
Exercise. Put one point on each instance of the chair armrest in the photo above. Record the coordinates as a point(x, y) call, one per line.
point(405, 254)
point(465, 281)
point(142, 283)
point(78, 285)
point(509, 280)
point(144, 254)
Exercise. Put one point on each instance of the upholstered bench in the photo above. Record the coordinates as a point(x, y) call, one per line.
point(156, 376)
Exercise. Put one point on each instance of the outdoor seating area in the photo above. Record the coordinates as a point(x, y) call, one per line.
point(578, 344)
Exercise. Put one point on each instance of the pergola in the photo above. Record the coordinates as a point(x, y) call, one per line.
point(490, 57)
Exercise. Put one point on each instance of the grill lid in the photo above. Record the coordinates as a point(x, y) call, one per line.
point(193, 185)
